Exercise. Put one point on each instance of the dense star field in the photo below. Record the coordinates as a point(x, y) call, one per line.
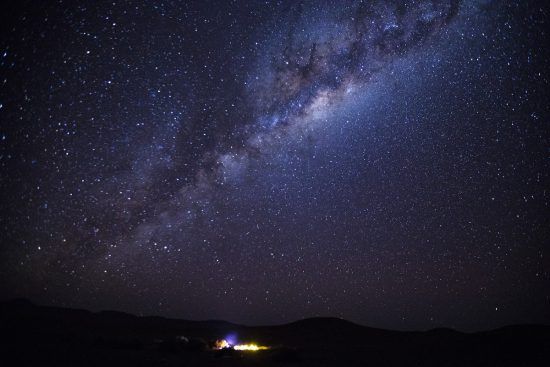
point(265, 161)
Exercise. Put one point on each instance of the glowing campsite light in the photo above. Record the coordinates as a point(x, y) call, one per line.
point(224, 344)
point(251, 347)
point(221, 344)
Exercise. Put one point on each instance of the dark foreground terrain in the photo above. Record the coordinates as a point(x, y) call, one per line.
point(47, 336)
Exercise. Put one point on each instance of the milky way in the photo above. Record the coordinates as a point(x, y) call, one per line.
point(259, 162)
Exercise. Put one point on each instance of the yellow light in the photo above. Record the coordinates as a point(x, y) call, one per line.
point(221, 344)
point(250, 347)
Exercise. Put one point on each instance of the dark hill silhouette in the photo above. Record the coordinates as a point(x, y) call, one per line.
point(51, 336)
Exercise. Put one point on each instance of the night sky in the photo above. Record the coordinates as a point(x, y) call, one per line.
point(260, 162)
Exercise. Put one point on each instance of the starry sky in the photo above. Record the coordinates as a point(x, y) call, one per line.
point(266, 161)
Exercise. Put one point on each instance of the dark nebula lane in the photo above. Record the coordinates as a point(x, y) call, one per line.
point(262, 162)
